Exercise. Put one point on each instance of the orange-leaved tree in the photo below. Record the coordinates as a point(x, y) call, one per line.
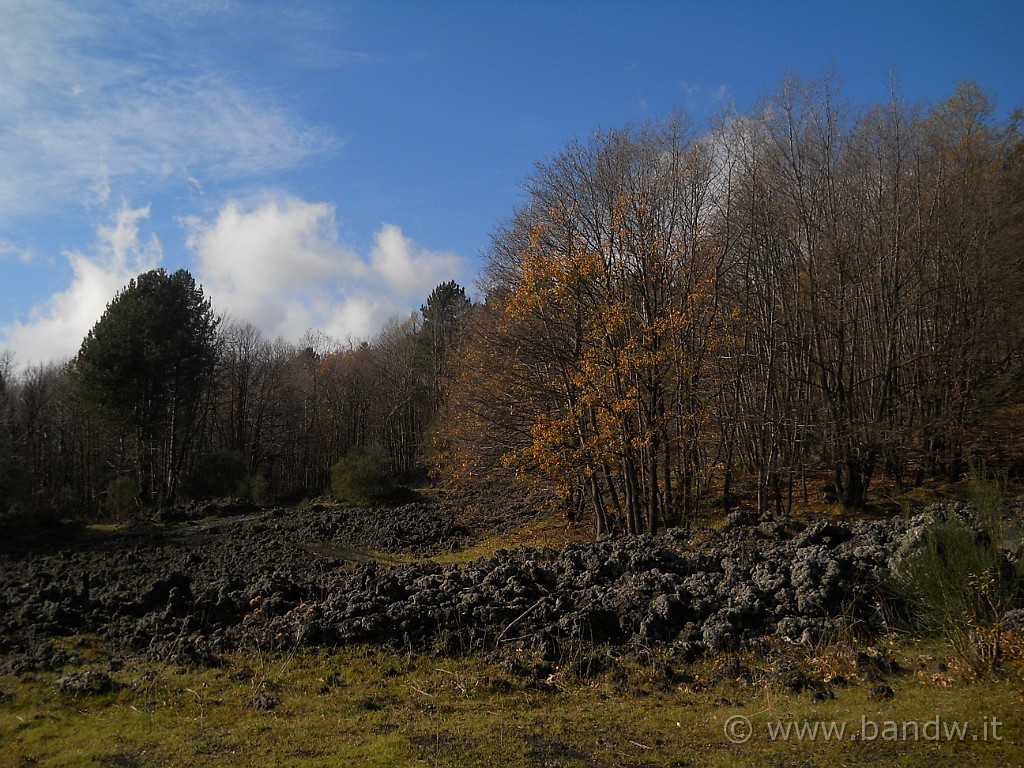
point(602, 291)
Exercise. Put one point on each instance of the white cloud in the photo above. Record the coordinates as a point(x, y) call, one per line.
point(359, 316)
point(85, 112)
point(9, 250)
point(407, 268)
point(712, 94)
point(258, 264)
point(277, 245)
point(55, 330)
point(281, 266)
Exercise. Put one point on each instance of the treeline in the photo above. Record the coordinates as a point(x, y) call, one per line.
point(807, 286)
point(673, 318)
point(165, 403)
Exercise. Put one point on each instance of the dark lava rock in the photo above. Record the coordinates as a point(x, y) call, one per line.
point(284, 579)
point(793, 680)
point(726, 703)
point(88, 683)
point(263, 702)
point(876, 664)
point(41, 656)
point(881, 693)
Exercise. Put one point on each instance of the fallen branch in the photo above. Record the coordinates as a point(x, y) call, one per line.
point(519, 618)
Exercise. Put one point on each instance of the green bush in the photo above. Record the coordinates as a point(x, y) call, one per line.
point(225, 474)
point(360, 477)
point(121, 499)
point(256, 488)
point(959, 584)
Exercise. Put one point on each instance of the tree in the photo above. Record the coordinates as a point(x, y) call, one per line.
point(444, 317)
point(148, 365)
point(61, 446)
point(875, 280)
point(11, 472)
point(249, 382)
point(603, 286)
point(810, 285)
point(399, 393)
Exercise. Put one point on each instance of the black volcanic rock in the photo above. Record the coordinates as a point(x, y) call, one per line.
point(295, 577)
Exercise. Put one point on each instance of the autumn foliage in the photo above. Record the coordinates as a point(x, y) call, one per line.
point(804, 287)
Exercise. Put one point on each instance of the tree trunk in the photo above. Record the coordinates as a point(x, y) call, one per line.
point(856, 480)
point(600, 516)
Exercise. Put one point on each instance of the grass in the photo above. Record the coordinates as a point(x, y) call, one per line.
point(550, 531)
point(378, 707)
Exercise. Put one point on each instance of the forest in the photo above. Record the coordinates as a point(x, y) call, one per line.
point(676, 318)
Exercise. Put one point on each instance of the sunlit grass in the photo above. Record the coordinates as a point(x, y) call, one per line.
point(378, 707)
point(548, 532)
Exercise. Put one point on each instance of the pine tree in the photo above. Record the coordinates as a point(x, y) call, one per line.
point(146, 364)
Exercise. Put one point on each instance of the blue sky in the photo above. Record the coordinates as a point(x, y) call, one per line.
point(321, 164)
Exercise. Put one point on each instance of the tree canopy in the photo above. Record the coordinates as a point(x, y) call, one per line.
point(146, 363)
point(677, 318)
point(807, 287)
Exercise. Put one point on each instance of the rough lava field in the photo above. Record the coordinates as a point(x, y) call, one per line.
point(285, 578)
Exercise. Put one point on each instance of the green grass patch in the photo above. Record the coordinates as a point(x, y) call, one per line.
point(376, 707)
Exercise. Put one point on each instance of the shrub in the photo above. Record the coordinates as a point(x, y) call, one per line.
point(121, 498)
point(21, 517)
point(959, 584)
point(224, 473)
point(360, 477)
point(256, 488)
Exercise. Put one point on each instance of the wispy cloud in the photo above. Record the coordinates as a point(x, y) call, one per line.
point(10, 250)
point(85, 114)
point(142, 104)
point(712, 94)
point(54, 330)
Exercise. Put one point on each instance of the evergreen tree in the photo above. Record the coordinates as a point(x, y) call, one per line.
point(147, 364)
point(444, 317)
